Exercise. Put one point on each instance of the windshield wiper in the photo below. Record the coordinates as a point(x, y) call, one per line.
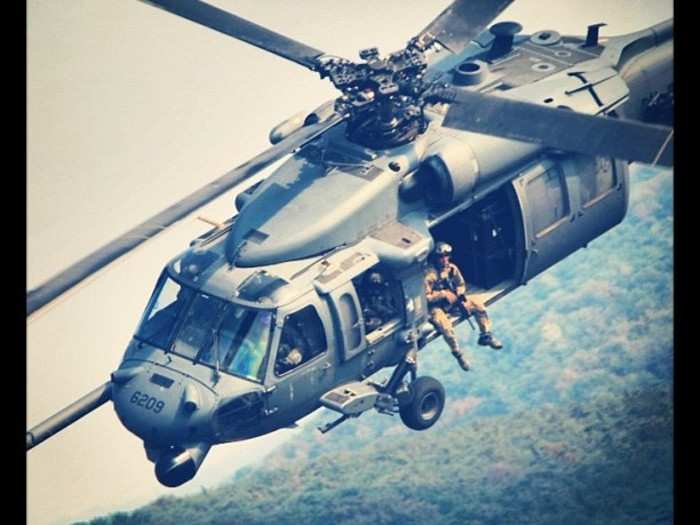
point(213, 341)
point(217, 373)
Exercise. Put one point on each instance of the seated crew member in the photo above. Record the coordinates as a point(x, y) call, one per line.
point(293, 347)
point(379, 304)
point(445, 288)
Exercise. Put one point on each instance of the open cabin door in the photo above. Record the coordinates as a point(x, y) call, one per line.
point(336, 284)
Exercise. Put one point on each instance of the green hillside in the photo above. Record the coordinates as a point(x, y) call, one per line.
point(570, 423)
point(605, 462)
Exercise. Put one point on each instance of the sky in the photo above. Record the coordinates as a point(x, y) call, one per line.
point(129, 109)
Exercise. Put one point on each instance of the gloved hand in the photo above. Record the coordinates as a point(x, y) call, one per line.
point(294, 357)
point(449, 296)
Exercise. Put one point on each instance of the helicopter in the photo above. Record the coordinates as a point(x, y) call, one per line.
point(322, 144)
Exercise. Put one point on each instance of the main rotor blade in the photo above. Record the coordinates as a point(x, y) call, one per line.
point(73, 275)
point(69, 415)
point(237, 27)
point(457, 25)
point(559, 128)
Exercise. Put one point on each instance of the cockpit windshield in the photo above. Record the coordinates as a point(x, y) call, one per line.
point(240, 343)
point(199, 325)
point(164, 309)
point(208, 330)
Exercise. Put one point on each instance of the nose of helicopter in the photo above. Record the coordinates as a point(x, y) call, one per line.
point(162, 406)
point(171, 413)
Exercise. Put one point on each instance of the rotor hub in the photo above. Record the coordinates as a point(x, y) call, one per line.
point(382, 97)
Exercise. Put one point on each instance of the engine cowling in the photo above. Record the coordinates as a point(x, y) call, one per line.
point(287, 127)
point(294, 123)
point(448, 172)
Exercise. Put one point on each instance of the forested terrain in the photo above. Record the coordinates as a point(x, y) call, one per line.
point(570, 423)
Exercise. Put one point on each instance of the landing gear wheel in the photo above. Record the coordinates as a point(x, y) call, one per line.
point(426, 406)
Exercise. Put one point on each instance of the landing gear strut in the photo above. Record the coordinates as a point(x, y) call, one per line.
point(422, 400)
point(419, 403)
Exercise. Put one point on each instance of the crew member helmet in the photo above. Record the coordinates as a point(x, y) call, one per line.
point(376, 278)
point(442, 248)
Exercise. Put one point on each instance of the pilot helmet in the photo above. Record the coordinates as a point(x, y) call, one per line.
point(376, 278)
point(442, 248)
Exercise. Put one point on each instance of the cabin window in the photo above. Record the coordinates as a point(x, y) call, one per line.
point(547, 200)
point(378, 294)
point(597, 179)
point(302, 339)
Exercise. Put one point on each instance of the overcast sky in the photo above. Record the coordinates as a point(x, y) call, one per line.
point(129, 109)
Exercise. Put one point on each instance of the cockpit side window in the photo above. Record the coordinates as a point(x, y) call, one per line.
point(302, 339)
point(164, 309)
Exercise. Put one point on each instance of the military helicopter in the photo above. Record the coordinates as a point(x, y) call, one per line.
point(399, 173)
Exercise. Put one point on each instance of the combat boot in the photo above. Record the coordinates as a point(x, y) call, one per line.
point(487, 339)
point(462, 360)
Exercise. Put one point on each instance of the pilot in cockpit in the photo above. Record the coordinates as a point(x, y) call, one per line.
point(293, 347)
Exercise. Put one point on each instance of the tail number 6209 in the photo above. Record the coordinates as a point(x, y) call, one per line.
point(147, 402)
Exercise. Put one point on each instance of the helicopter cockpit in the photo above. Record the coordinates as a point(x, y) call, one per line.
point(207, 329)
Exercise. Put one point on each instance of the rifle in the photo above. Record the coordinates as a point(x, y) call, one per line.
point(461, 299)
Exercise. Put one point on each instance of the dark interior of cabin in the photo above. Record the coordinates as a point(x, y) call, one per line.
point(483, 239)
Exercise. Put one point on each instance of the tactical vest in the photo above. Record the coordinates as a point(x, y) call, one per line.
point(447, 282)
